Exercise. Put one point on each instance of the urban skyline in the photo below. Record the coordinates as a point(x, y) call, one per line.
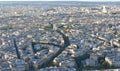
point(59, 36)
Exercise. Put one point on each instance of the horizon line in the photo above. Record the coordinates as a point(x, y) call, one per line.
point(55, 1)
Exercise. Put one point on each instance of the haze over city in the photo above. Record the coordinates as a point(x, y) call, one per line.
point(65, 0)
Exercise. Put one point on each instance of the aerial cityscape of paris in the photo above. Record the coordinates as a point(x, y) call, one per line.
point(60, 35)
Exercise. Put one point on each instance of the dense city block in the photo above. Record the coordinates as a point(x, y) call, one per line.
point(59, 36)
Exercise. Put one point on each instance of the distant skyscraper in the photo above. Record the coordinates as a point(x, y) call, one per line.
point(104, 10)
point(55, 27)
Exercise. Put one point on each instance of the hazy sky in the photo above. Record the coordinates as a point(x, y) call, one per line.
point(61, 0)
